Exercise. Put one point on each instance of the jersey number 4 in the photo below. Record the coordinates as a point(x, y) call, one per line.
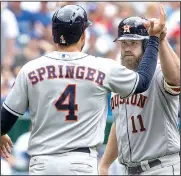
point(142, 128)
point(68, 94)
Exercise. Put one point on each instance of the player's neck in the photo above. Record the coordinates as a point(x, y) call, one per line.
point(72, 48)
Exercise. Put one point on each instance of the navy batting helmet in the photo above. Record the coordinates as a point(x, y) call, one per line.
point(132, 28)
point(68, 24)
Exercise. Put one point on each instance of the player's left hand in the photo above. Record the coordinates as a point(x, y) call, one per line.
point(103, 170)
point(6, 145)
point(164, 31)
point(155, 28)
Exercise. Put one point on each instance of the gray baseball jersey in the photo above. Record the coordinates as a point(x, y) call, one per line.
point(146, 123)
point(67, 98)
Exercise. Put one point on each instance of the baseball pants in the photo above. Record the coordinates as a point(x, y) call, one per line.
point(69, 163)
point(169, 165)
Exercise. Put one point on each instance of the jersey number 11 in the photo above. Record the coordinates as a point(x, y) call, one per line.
point(142, 128)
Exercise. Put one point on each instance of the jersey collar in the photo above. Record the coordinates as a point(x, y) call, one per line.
point(66, 55)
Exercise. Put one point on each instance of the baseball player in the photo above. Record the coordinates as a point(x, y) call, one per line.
point(144, 135)
point(66, 92)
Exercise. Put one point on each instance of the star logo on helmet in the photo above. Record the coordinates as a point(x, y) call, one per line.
point(62, 40)
point(127, 28)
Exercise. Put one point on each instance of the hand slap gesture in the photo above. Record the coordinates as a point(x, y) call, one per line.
point(155, 27)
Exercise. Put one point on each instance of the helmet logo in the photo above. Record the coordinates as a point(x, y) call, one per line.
point(126, 28)
point(62, 40)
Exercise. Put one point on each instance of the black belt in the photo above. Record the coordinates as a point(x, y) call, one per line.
point(139, 170)
point(83, 149)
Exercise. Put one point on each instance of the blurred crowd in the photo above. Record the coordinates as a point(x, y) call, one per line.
point(26, 30)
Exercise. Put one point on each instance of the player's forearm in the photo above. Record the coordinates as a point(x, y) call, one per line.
point(170, 63)
point(7, 121)
point(111, 151)
point(147, 65)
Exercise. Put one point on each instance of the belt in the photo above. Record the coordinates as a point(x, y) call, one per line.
point(83, 149)
point(139, 170)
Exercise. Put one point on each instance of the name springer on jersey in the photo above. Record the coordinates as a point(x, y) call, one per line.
point(69, 72)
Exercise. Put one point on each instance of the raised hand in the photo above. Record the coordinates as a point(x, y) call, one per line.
point(156, 27)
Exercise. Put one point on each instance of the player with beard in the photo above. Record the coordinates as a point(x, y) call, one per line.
point(144, 135)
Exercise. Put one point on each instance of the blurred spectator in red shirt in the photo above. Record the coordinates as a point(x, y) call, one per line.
point(175, 39)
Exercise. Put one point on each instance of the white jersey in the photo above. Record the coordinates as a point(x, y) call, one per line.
point(146, 123)
point(67, 98)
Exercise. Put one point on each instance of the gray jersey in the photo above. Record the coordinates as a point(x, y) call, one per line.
point(146, 123)
point(67, 98)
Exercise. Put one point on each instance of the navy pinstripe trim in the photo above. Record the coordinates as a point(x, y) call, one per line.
point(171, 93)
point(130, 150)
point(133, 87)
point(66, 59)
point(12, 109)
point(173, 170)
